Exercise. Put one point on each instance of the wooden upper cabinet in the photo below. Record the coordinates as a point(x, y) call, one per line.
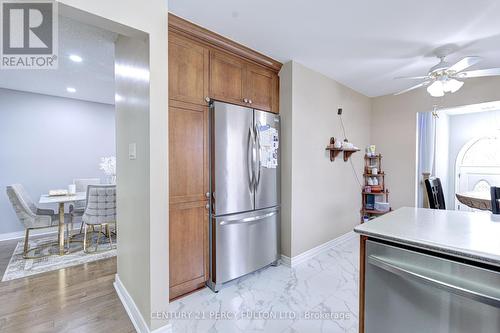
point(188, 152)
point(188, 70)
point(227, 76)
point(260, 88)
point(237, 81)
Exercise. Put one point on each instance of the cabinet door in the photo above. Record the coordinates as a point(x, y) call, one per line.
point(188, 247)
point(188, 172)
point(260, 87)
point(227, 76)
point(188, 70)
point(188, 152)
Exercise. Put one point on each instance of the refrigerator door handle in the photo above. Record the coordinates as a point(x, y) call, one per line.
point(251, 157)
point(248, 219)
point(257, 140)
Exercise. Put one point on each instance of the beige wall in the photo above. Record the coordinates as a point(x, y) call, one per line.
point(393, 130)
point(286, 157)
point(133, 197)
point(149, 290)
point(321, 199)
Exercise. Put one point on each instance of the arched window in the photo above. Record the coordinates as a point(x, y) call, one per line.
point(478, 166)
point(483, 152)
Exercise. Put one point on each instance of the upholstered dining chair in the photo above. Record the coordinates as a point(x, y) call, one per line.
point(76, 209)
point(100, 211)
point(31, 216)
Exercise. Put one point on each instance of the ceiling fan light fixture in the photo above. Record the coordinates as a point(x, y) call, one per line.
point(436, 89)
point(452, 85)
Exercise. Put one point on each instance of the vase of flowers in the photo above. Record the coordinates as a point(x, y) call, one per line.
point(108, 165)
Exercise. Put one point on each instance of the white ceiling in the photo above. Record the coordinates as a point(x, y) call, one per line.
point(363, 44)
point(93, 78)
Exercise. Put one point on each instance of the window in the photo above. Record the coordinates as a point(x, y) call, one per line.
point(483, 152)
point(478, 166)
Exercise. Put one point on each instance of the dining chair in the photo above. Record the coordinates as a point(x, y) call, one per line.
point(77, 208)
point(435, 193)
point(31, 217)
point(100, 211)
point(495, 196)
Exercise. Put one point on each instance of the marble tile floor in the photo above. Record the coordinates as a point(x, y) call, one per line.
point(320, 295)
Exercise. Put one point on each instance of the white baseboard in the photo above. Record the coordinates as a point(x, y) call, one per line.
point(133, 312)
point(286, 261)
point(305, 256)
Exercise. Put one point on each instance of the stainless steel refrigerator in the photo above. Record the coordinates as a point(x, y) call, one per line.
point(244, 191)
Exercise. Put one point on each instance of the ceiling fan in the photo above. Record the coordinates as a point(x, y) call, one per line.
point(447, 78)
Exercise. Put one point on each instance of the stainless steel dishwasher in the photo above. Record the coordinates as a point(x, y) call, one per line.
point(409, 291)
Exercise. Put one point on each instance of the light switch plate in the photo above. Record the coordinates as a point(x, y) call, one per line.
point(132, 151)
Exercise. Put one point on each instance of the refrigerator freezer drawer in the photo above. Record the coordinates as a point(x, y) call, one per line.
point(245, 243)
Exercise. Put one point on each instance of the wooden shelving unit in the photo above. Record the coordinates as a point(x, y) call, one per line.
point(334, 152)
point(371, 162)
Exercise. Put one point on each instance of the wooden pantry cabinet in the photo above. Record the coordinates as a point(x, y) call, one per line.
point(188, 188)
point(203, 66)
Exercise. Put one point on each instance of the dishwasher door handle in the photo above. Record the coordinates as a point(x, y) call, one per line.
point(449, 286)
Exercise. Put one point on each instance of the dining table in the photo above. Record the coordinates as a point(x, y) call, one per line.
point(475, 199)
point(61, 200)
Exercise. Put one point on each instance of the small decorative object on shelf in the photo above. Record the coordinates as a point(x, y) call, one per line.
point(374, 196)
point(337, 146)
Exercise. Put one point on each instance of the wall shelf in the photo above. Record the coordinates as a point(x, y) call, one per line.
point(334, 152)
point(371, 162)
point(376, 193)
point(380, 174)
point(375, 212)
point(374, 156)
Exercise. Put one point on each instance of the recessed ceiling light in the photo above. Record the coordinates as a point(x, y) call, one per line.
point(71, 90)
point(75, 58)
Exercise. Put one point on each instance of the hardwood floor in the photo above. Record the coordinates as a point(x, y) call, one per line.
point(75, 299)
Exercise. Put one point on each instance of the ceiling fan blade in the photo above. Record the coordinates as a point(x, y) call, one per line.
point(423, 84)
point(463, 64)
point(479, 73)
point(411, 77)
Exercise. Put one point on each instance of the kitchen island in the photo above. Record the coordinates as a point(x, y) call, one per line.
point(424, 270)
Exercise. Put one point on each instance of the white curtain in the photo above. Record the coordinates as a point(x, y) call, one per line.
point(426, 149)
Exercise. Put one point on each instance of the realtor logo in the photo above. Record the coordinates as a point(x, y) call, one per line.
point(29, 34)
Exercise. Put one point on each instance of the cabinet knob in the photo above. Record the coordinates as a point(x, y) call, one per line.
point(207, 99)
point(207, 194)
point(250, 101)
point(207, 206)
point(245, 100)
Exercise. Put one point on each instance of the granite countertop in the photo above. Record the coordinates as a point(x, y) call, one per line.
point(471, 235)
